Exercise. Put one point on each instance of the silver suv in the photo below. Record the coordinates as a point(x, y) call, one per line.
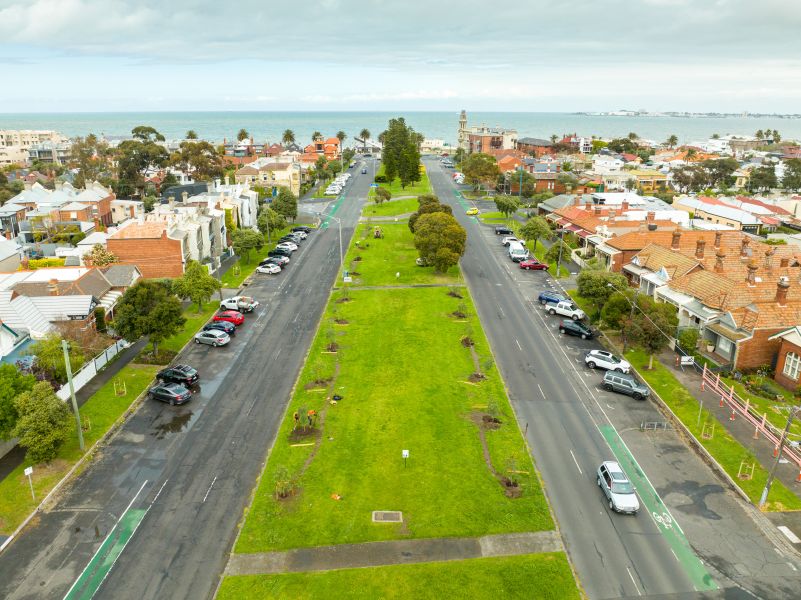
point(623, 383)
point(617, 488)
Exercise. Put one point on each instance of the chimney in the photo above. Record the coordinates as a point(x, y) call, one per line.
point(227, 180)
point(171, 202)
point(611, 217)
point(750, 277)
point(718, 237)
point(577, 200)
point(719, 258)
point(184, 197)
point(768, 258)
point(699, 248)
point(785, 262)
point(782, 287)
point(650, 216)
point(209, 186)
point(597, 211)
point(624, 206)
point(52, 287)
point(674, 243)
point(744, 247)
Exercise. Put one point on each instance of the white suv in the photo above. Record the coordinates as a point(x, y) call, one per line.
point(617, 488)
point(606, 360)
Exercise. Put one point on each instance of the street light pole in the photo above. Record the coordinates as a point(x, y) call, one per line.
point(65, 347)
point(768, 483)
point(559, 259)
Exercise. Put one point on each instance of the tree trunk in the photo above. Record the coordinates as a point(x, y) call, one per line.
point(650, 362)
point(155, 348)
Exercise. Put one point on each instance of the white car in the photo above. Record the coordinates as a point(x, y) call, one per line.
point(301, 234)
point(269, 269)
point(606, 360)
point(330, 192)
point(212, 337)
point(617, 488)
point(510, 238)
point(240, 303)
point(287, 246)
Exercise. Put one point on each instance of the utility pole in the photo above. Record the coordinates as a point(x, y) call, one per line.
point(66, 348)
point(768, 483)
point(559, 260)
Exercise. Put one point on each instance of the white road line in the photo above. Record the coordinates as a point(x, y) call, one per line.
point(674, 555)
point(541, 392)
point(788, 533)
point(208, 490)
point(156, 497)
point(518, 345)
point(575, 461)
point(639, 593)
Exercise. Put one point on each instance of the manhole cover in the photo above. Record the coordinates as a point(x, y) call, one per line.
point(387, 516)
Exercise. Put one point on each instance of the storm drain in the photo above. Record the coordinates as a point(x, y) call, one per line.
point(387, 516)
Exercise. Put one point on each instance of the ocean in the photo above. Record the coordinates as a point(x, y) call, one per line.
point(269, 126)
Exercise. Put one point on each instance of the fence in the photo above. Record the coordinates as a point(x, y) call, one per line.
point(85, 374)
point(711, 381)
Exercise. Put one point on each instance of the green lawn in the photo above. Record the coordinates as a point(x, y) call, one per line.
point(416, 189)
point(99, 413)
point(546, 576)
point(726, 450)
point(391, 208)
point(382, 258)
point(494, 217)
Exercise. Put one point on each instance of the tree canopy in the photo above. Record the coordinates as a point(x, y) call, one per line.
point(245, 240)
point(242, 135)
point(286, 204)
point(440, 240)
point(270, 220)
point(99, 256)
point(43, 424)
point(506, 204)
point(792, 174)
point(598, 285)
point(401, 154)
point(196, 284)
point(651, 326)
point(89, 156)
point(427, 204)
point(12, 384)
point(288, 137)
point(535, 229)
point(49, 362)
point(199, 160)
point(148, 308)
point(480, 169)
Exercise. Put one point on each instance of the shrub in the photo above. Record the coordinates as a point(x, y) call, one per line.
point(100, 319)
point(688, 339)
point(380, 179)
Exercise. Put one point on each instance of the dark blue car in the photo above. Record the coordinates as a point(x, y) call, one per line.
point(546, 297)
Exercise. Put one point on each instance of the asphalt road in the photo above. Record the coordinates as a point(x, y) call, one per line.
point(572, 425)
point(178, 478)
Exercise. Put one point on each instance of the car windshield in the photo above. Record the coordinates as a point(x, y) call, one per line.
point(622, 487)
point(613, 359)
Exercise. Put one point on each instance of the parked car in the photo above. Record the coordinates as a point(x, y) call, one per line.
point(517, 252)
point(510, 238)
point(223, 326)
point(576, 328)
point(279, 252)
point(548, 296)
point(295, 239)
point(268, 269)
point(183, 374)
point(617, 488)
point(471, 211)
point(212, 337)
point(566, 308)
point(299, 233)
point(303, 228)
point(172, 393)
point(502, 230)
point(606, 360)
point(232, 316)
point(532, 264)
point(364, 170)
point(623, 383)
point(331, 192)
point(421, 262)
point(240, 303)
point(291, 246)
point(281, 261)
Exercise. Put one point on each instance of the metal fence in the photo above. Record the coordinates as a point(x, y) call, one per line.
point(85, 374)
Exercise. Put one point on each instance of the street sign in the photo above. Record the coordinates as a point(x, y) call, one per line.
point(373, 185)
point(28, 471)
point(687, 361)
point(347, 279)
point(405, 455)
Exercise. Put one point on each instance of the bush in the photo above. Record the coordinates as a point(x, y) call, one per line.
point(688, 340)
point(100, 319)
point(380, 179)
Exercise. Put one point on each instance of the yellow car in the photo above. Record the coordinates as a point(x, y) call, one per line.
point(472, 211)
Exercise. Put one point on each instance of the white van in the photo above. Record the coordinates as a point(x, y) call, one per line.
point(517, 251)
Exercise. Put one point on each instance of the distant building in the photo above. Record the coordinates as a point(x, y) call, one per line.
point(25, 138)
point(484, 139)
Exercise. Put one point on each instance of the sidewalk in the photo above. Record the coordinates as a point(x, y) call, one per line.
point(376, 554)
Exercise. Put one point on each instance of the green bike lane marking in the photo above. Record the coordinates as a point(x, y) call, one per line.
point(334, 209)
point(670, 530)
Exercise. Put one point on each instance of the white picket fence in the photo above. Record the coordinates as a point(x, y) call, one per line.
point(85, 374)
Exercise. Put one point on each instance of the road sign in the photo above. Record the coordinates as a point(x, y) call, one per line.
point(28, 473)
point(687, 361)
point(347, 279)
point(373, 185)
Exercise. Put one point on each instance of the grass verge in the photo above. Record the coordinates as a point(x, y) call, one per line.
point(724, 448)
point(416, 189)
point(391, 208)
point(545, 576)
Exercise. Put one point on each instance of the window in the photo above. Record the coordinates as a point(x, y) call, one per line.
point(792, 365)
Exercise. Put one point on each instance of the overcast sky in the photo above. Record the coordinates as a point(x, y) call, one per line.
point(106, 55)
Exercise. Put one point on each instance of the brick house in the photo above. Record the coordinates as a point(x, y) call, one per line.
point(534, 146)
point(156, 248)
point(788, 358)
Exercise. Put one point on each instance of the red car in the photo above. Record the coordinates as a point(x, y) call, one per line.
point(533, 264)
point(232, 316)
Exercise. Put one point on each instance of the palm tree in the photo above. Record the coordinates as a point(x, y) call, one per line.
point(243, 134)
point(288, 137)
point(633, 136)
point(715, 136)
point(316, 136)
point(554, 137)
point(759, 134)
point(691, 152)
point(672, 141)
point(776, 137)
point(191, 134)
point(365, 135)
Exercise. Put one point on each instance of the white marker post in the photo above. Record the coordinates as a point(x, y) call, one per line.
point(405, 455)
point(28, 473)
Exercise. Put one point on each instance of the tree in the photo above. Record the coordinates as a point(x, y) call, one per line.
point(245, 240)
point(146, 133)
point(316, 136)
point(88, 155)
point(364, 134)
point(288, 137)
point(334, 166)
point(12, 384)
point(148, 203)
point(191, 135)
point(623, 145)
point(552, 255)
point(401, 155)
point(341, 135)
point(196, 284)
point(792, 174)
point(651, 325)
point(672, 141)
point(759, 134)
point(480, 169)
point(43, 424)
point(762, 178)
point(320, 167)
point(597, 286)
point(427, 204)
point(776, 136)
point(134, 158)
point(347, 155)
point(382, 195)
point(440, 240)
point(719, 171)
point(98, 256)
point(535, 229)
point(242, 135)
point(715, 136)
point(199, 160)
point(270, 220)
point(148, 308)
point(286, 204)
point(506, 204)
point(617, 308)
point(409, 164)
point(49, 361)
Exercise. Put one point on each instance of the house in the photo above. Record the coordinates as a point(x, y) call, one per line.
point(713, 210)
point(156, 248)
point(603, 164)
point(647, 180)
point(788, 357)
point(330, 148)
point(484, 139)
point(580, 143)
point(50, 152)
point(9, 255)
point(122, 210)
point(238, 198)
point(11, 215)
point(271, 173)
point(534, 146)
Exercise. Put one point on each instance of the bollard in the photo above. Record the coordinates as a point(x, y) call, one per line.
point(775, 451)
point(721, 402)
point(799, 476)
point(756, 432)
point(731, 418)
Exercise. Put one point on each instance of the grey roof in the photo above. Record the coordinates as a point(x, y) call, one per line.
point(534, 141)
point(121, 275)
point(560, 201)
point(23, 315)
point(61, 308)
point(72, 261)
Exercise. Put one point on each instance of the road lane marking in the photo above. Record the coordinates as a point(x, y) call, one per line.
point(788, 533)
point(209, 490)
point(575, 461)
point(541, 392)
point(518, 345)
point(674, 555)
point(156, 497)
point(639, 593)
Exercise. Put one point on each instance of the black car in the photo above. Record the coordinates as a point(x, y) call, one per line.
point(225, 326)
point(548, 296)
point(303, 228)
point(183, 374)
point(501, 230)
point(576, 328)
point(295, 239)
point(280, 252)
point(274, 260)
point(174, 393)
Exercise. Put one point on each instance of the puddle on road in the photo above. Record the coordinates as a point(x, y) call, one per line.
point(176, 423)
point(697, 496)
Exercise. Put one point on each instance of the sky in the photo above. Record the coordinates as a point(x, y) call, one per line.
point(582, 55)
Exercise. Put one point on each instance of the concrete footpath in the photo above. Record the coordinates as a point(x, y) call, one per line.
point(376, 554)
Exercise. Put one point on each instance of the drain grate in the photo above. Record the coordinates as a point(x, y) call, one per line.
point(387, 516)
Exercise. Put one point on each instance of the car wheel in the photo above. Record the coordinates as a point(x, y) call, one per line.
point(591, 365)
point(575, 317)
point(552, 311)
point(583, 336)
point(607, 387)
point(618, 370)
point(172, 401)
point(598, 481)
point(214, 344)
point(637, 396)
point(562, 331)
point(542, 302)
point(611, 505)
point(197, 341)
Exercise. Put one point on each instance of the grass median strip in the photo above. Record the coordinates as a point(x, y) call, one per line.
point(391, 208)
point(546, 576)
